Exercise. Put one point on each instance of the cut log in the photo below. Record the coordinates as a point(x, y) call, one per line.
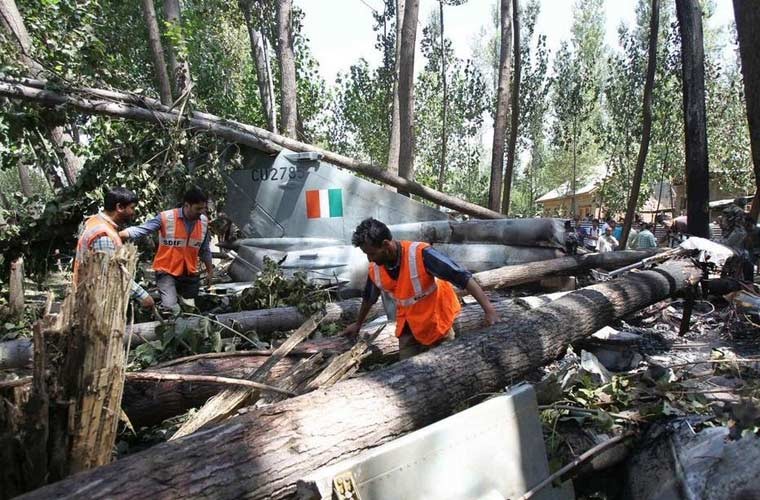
point(262, 453)
point(265, 321)
point(535, 271)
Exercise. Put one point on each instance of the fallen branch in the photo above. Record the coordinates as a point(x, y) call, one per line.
point(206, 378)
point(119, 105)
point(580, 460)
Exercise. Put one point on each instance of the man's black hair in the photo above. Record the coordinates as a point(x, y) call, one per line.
point(116, 196)
point(371, 231)
point(195, 195)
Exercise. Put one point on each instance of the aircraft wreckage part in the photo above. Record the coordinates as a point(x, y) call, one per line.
point(535, 271)
point(264, 452)
point(519, 232)
point(149, 402)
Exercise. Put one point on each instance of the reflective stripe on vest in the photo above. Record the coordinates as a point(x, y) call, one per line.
point(419, 293)
point(178, 250)
point(93, 228)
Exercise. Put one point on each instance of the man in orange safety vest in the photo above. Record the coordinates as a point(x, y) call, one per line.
point(182, 240)
point(418, 278)
point(99, 233)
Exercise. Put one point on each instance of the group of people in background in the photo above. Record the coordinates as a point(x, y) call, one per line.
point(588, 234)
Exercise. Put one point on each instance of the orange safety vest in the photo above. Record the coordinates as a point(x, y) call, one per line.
point(94, 227)
point(428, 304)
point(177, 250)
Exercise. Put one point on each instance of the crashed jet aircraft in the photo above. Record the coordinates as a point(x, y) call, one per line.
point(301, 212)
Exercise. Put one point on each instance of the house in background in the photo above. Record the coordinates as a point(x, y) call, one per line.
point(558, 202)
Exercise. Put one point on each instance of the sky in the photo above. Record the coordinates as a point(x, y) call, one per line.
point(340, 31)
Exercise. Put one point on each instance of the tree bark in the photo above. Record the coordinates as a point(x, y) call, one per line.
point(406, 92)
point(502, 107)
point(695, 120)
point(260, 56)
point(70, 162)
point(16, 288)
point(24, 180)
point(178, 63)
point(445, 100)
point(535, 271)
point(395, 135)
point(515, 111)
point(286, 59)
point(633, 200)
point(264, 452)
point(157, 51)
point(747, 15)
point(99, 101)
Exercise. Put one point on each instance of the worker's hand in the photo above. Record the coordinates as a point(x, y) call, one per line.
point(148, 302)
point(351, 330)
point(124, 234)
point(491, 317)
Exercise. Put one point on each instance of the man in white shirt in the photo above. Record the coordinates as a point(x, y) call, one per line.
point(607, 242)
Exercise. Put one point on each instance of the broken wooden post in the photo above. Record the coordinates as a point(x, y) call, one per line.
point(262, 453)
point(16, 288)
point(69, 423)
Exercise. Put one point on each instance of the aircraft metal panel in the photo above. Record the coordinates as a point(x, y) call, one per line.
point(297, 196)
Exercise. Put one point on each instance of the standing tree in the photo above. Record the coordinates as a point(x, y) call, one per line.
point(260, 56)
point(406, 90)
point(747, 14)
point(515, 112)
point(157, 51)
point(395, 135)
point(695, 121)
point(13, 23)
point(502, 104)
point(178, 63)
point(633, 197)
point(286, 59)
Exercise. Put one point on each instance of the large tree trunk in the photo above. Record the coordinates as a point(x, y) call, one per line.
point(406, 91)
point(515, 112)
point(157, 51)
point(747, 15)
point(149, 403)
point(633, 200)
point(286, 59)
point(260, 56)
point(395, 135)
point(178, 63)
point(148, 110)
point(262, 453)
point(502, 107)
point(695, 121)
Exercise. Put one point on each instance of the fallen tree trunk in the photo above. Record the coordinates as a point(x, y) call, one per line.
point(119, 105)
point(262, 453)
point(536, 271)
point(149, 403)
